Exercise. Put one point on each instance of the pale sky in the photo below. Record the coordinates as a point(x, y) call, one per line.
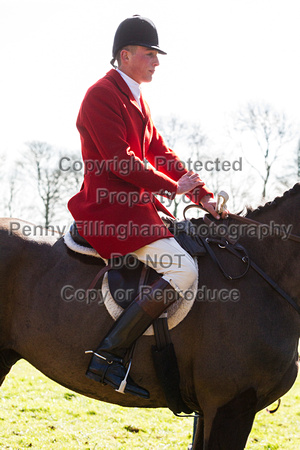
point(221, 55)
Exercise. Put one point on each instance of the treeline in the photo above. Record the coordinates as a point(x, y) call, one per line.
point(257, 161)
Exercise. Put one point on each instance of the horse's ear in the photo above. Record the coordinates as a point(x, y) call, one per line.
point(242, 210)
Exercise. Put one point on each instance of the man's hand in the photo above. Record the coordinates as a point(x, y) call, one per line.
point(188, 182)
point(210, 205)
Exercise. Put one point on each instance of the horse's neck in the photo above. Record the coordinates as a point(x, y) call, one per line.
point(282, 212)
point(277, 255)
point(272, 230)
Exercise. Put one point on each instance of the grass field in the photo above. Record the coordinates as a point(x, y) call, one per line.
point(38, 413)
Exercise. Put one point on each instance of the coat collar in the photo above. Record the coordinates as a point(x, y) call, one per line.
point(116, 78)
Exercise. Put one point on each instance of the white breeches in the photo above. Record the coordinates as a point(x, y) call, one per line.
point(167, 257)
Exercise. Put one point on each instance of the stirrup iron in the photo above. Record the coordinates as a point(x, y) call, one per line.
point(99, 356)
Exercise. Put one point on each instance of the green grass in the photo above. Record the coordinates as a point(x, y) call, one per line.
point(37, 413)
point(280, 430)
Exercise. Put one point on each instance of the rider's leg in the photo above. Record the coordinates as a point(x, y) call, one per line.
point(168, 258)
point(179, 273)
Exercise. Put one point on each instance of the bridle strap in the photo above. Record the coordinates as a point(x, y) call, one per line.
point(275, 286)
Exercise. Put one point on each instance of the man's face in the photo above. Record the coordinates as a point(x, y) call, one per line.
point(140, 64)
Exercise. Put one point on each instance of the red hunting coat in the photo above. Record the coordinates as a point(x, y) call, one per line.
point(126, 163)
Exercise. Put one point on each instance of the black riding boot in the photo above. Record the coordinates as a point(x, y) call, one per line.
point(106, 365)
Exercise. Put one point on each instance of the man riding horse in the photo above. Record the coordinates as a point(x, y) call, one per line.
point(116, 211)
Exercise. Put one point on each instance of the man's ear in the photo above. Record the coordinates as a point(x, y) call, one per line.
point(124, 54)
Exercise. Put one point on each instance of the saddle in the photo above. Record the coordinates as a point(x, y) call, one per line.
point(128, 274)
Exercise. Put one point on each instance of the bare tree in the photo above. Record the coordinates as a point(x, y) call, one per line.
point(298, 160)
point(213, 174)
point(11, 188)
point(197, 140)
point(173, 130)
point(268, 132)
point(50, 182)
point(11, 194)
point(2, 165)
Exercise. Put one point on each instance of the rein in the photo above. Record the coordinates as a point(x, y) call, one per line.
point(292, 237)
point(236, 249)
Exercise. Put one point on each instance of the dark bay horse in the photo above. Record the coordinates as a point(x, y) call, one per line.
point(235, 356)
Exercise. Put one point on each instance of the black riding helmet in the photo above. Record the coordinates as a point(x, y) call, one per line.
point(136, 30)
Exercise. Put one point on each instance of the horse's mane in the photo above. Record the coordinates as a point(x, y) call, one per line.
point(272, 204)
